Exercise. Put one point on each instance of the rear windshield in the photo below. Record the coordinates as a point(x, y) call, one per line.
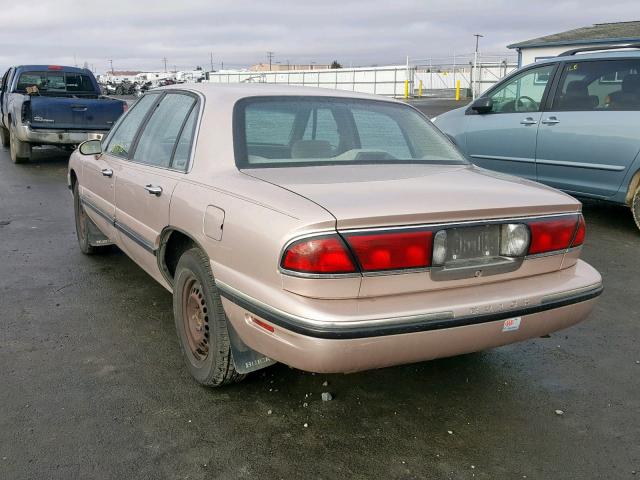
point(64, 82)
point(298, 131)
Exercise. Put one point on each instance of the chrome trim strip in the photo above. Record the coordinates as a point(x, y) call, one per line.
point(227, 289)
point(557, 297)
point(594, 166)
point(396, 325)
point(465, 223)
point(98, 210)
point(123, 228)
point(507, 159)
point(135, 237)
point(563, 251)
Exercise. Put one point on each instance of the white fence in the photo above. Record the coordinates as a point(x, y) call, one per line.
point(380, 80)
point(445, 77)
point(389, 80)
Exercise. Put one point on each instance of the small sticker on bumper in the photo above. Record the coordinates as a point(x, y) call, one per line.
point(511, 324)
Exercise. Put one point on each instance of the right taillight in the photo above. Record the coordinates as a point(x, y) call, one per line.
point(556, 234)
point(392, 250)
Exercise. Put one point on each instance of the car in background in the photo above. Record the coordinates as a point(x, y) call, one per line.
point(569, 122)
point(328, 230)
point(52, 105)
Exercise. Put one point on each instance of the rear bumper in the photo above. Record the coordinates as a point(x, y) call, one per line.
point(337, 343)
point(56, 137)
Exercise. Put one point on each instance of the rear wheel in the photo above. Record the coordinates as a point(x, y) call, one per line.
point(635, 207)
point(201, 323)
point(4, 135)
point(20, 151)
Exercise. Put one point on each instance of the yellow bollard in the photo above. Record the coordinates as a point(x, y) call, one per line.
point(406, 89)
point(457, 90)
point(420, 90)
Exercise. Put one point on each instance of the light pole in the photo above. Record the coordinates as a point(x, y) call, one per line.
point(270, 57)
point(474, 80)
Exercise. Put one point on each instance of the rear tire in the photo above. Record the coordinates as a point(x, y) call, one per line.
point(635, 207)
point(4, 135)
point(20, 151)
point(82, 226)
point(201, 323)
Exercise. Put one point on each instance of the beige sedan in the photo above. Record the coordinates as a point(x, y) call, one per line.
point(330, 231)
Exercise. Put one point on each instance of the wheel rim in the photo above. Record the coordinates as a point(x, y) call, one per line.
point(195, 319)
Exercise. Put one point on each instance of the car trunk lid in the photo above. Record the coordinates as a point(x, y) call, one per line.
point(379, 196)
point(390, 195)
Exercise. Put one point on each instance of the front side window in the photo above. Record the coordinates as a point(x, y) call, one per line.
point(122, 139)
point(296, 131)
point(160, 135)
point(599, 85)
point(523, 93)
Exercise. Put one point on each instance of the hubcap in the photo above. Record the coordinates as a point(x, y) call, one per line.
point(195, 319)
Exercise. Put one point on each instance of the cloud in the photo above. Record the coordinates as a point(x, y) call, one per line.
point(138, 35)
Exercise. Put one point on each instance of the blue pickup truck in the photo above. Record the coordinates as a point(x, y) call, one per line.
point(52, 105)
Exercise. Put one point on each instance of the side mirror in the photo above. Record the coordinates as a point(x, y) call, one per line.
point(90, 147)
point(482, 105)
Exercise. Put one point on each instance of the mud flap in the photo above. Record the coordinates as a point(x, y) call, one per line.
point(96, 237)
point(244, 358)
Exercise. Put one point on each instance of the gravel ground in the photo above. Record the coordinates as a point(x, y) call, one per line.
point(92, 384)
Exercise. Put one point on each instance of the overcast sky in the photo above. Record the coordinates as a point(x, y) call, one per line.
point(137, 34)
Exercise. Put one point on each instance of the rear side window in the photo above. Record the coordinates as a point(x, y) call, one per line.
point(599, 85)
point(122, 139)
point(161, 133)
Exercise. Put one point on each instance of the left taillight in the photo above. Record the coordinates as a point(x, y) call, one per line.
point(556, 234)
point(323, 255)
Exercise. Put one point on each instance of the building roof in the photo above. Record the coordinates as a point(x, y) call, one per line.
point(617, 32)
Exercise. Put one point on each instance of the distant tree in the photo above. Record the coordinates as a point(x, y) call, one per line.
point(335, 64)
point(198, 68)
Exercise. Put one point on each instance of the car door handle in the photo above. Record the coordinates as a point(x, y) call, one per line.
point(550, 121)
point(528, 121)
point(157, 191)
point(107, 172)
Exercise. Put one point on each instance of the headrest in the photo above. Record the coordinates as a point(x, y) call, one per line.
point(311, 149)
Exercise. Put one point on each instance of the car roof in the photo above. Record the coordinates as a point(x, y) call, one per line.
point(58, 68)
point(237, 91)
point(602, 55)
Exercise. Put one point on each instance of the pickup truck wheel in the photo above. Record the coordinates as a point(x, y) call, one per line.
point(20, 151)
point(82, 226)
point(4, 135)
point(201, 323)
point(635, 207)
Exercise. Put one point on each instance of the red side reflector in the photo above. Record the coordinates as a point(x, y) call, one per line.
point(580, 234)
point(262, 324)
point(318, 255)
point(551, 235)
point(55, 67)
point(392, 251)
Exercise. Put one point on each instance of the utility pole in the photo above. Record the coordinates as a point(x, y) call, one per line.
point(111, 63)
point(475, 67)
point(270, 57)
point(164, 59)
point(211, 54)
